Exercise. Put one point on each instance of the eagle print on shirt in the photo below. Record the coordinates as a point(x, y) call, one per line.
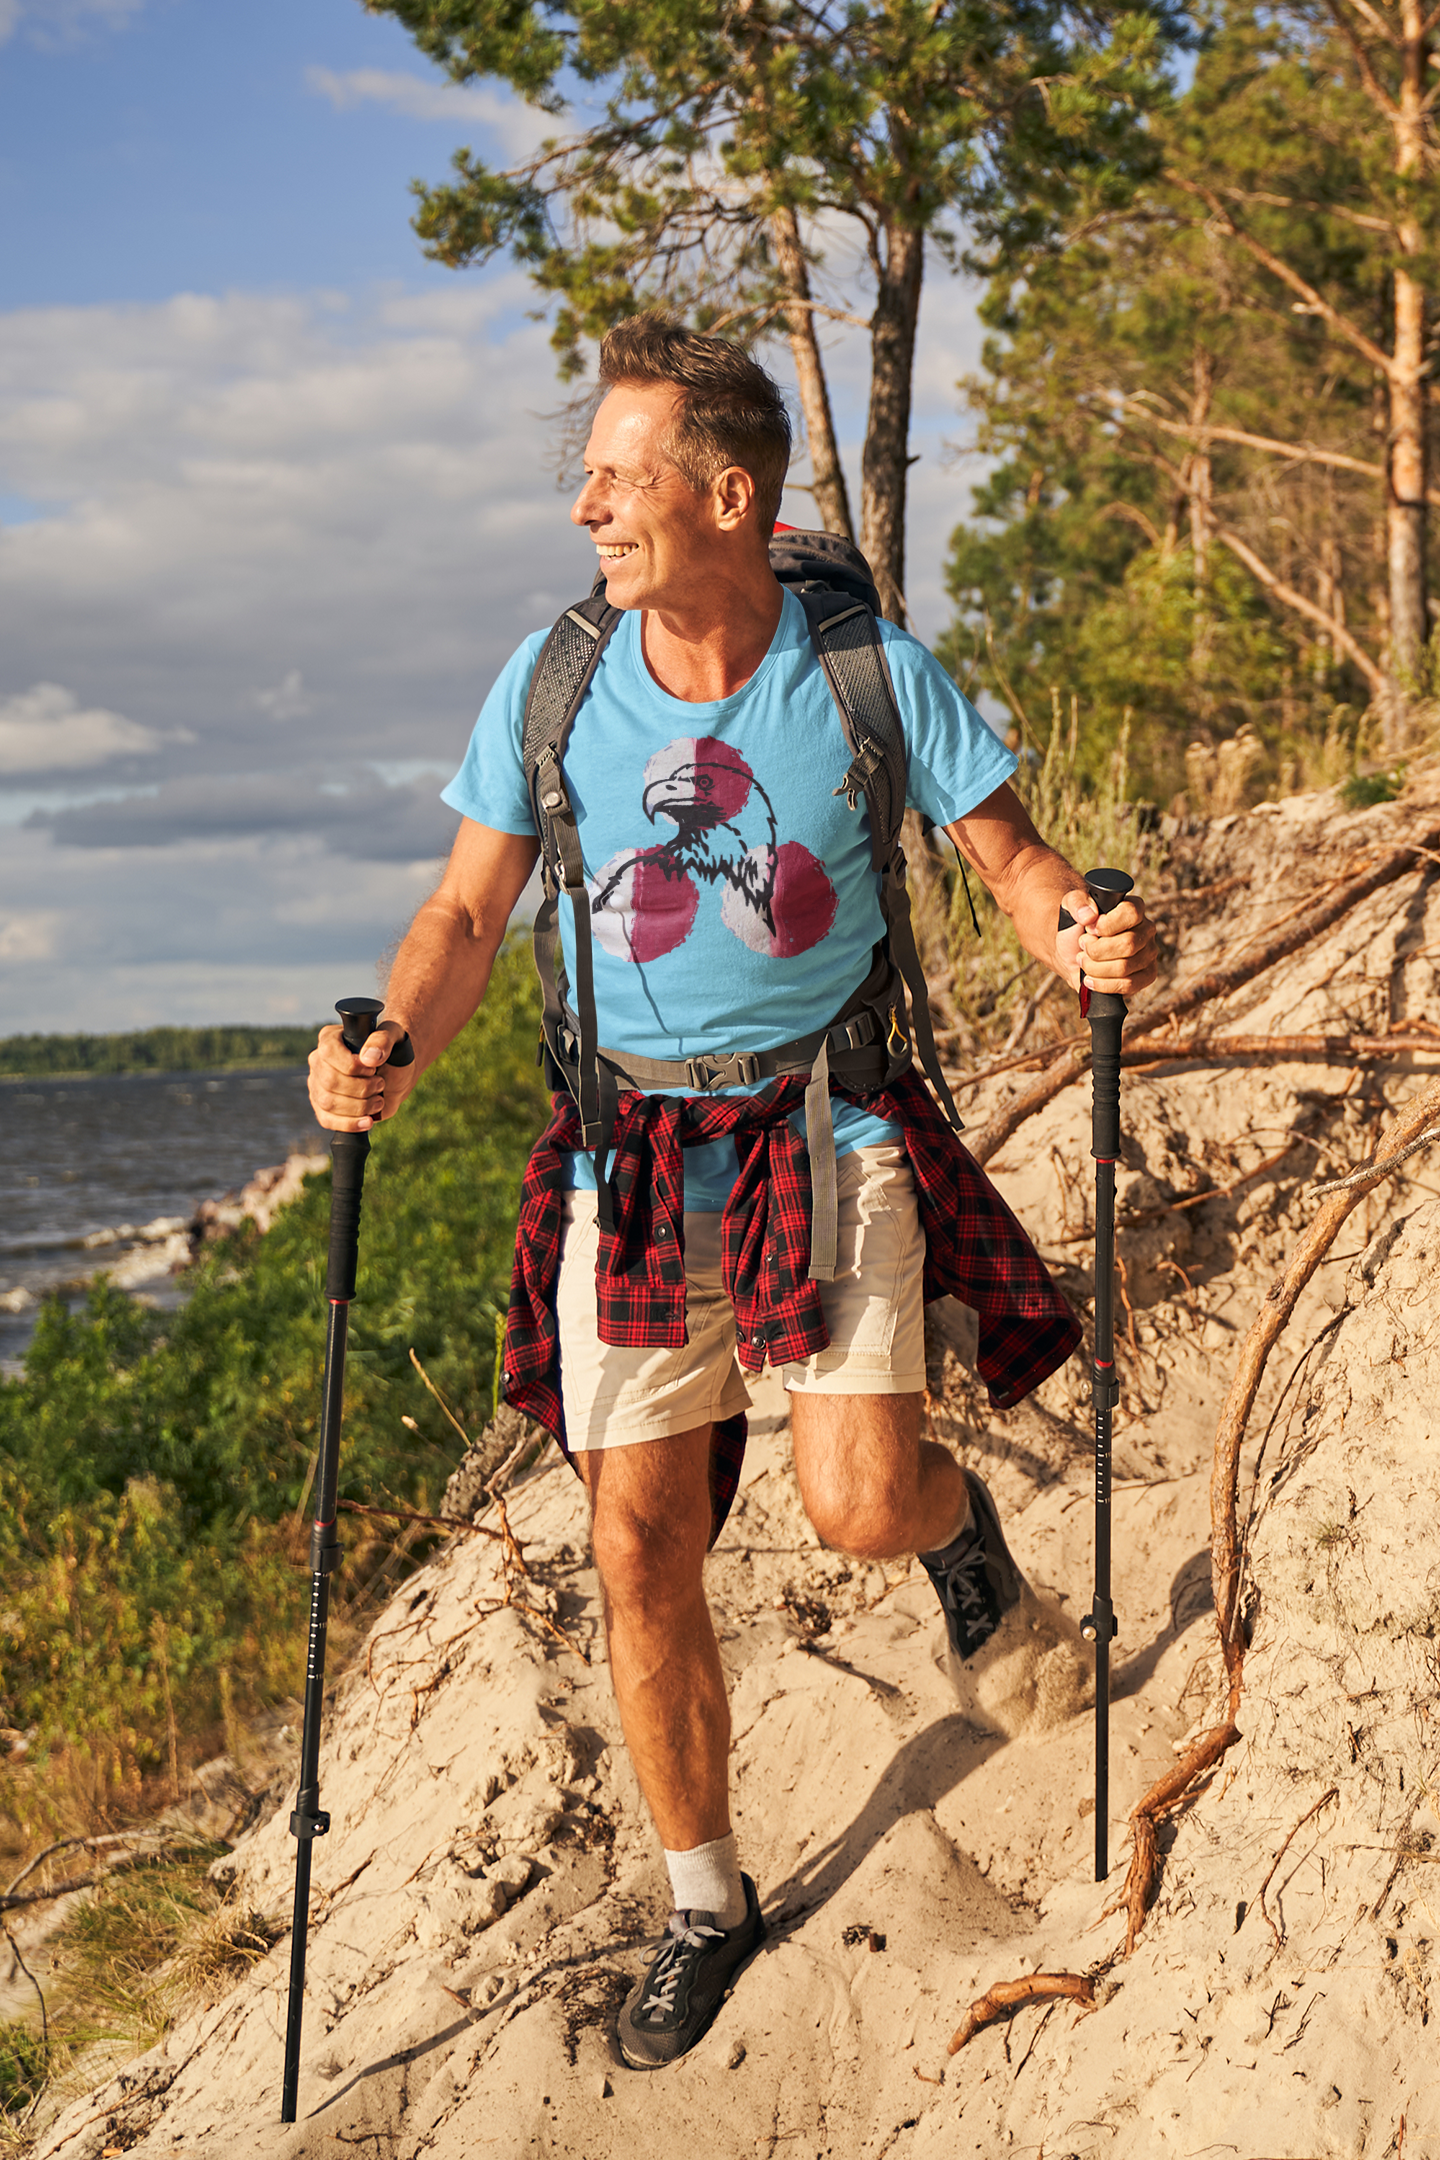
point(775, 895)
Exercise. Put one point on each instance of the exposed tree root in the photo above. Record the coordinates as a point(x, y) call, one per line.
point(1179, 1784)
point(1336, 1049)
point(1009, 1995)
point(1265, 1331)
point(1187, 997)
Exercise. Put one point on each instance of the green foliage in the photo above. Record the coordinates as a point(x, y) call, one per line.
point(1090, 821)
point(1118, 548)
point(155, 1468)
point(24, 2067)
point(692, 126)
point(161, 1049)
point(1363, 790)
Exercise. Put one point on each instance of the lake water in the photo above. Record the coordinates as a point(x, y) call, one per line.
point(88, 1154)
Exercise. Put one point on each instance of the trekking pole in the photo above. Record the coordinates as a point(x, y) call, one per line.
point(1106, 1015)
point(309, 1820)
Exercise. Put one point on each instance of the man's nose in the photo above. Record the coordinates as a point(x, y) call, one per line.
point(582, 510)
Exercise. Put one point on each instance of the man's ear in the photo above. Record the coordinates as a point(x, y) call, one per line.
point(734, 498)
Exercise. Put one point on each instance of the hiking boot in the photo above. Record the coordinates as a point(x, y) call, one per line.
point(975, 1578)
point(692, 1973)
point(1015, 1660)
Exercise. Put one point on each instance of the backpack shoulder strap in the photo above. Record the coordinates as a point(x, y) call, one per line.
point(563, 673)
point(847, 641)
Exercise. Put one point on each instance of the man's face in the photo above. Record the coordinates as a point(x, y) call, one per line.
point(652, 532)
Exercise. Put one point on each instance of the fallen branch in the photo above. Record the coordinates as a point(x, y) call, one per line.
point(1010, 1995)
point(1333, 1794)
point(1338, 1049)
point(429, 1522)
point(1376, 1170)
point(1204, 990)
point(1167, 1793)
point(1219, 982)
point(120, 1866)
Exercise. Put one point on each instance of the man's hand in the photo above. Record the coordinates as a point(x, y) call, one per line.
point(1117, 956)
point(1032, 883)
point(350, 1093)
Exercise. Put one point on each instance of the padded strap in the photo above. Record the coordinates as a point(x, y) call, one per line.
point(848, 644)
point(902, 947)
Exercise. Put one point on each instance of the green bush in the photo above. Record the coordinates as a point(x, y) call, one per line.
point(155, 1469)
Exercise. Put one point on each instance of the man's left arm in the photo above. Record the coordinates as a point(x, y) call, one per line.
point(1032, 884)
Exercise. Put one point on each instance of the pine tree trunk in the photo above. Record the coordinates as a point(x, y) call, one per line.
point(1405, 504)
point(884, 467)
point(1199, 486)
point(832, 501)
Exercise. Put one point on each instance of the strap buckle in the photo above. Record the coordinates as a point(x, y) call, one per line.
point(741, 1068)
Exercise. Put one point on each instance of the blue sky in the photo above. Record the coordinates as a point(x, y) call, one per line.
point(277, 499)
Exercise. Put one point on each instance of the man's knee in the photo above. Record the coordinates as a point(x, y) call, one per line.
point(650, 1524)
point(859, 1464)
point(869, 1521)
point(645, 1562)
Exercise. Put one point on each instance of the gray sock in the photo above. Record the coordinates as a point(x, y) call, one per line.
point(707, 1879)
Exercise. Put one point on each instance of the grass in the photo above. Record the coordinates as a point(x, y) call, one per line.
point(996, 990)
point(139, 1952)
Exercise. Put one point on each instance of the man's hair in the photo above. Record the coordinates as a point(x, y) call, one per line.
point(730, 411)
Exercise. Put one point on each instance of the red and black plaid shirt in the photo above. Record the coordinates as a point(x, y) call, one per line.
point(975, 1249)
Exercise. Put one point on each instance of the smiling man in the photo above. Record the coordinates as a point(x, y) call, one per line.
point(721, 917)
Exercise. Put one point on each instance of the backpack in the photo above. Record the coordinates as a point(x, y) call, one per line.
point(868, 1044)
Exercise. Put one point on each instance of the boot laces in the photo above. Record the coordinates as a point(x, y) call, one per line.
point(672, 1964)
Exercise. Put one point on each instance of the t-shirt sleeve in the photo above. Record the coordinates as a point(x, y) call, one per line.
point(490, 785)
point(955, 759)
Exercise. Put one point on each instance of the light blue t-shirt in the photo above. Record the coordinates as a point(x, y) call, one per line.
point(733, 902)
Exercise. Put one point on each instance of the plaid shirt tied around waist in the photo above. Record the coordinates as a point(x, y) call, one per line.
point(975, 1249)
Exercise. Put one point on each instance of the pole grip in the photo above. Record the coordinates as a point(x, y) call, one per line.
point(348, 1151)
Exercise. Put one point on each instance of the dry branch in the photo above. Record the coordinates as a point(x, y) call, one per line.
point(1309, 1816)
point(1335, 1049)
point(1204, 989)
point(1007, 1995)
point(1279, 1304)
point(428, 1522)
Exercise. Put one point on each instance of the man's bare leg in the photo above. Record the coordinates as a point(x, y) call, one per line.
point(651, 1504)
point(870, 1484)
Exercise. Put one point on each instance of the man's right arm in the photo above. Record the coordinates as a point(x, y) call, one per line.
point(439, 978)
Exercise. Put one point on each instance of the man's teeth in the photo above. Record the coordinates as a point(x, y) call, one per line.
point(613, 554)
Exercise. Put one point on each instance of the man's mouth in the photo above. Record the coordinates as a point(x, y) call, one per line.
point(613, 551)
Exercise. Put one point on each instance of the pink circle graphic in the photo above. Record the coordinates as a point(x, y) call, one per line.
point(802, 902)
point(696, 783)
point(642, 905)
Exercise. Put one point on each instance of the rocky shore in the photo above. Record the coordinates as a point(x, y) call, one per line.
point(147, 1254)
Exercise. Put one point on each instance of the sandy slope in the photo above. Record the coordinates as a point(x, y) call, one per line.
point(490, 1883)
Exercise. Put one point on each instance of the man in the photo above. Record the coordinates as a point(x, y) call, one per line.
point(733, 907)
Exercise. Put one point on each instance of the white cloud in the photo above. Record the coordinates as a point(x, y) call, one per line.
point(61, 22)
point(417, 97)
point(45, 729)
point(29, 936)
point(289, 700)
point(258, 502)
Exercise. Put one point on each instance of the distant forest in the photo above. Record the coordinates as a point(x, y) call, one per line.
point(161, 1049)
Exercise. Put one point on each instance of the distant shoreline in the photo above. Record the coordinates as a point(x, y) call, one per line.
point(294, 1064)
point(236, 1046)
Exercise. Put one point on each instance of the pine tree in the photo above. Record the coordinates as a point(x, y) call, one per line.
point(719, 153)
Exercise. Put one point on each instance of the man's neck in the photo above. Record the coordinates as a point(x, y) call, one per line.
point(706, 659)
